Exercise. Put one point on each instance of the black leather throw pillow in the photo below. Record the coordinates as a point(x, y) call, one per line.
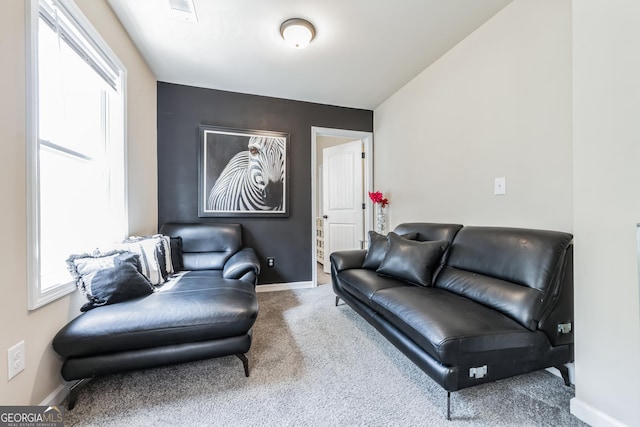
point(376, 252)
point(176, 254)
point(378, 245)
point(412, 261)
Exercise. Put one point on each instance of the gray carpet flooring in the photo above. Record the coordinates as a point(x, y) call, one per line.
point(314, 364)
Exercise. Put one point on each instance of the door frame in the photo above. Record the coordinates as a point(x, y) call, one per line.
point(367, 144)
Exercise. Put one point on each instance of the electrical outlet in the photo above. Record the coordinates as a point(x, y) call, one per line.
point(271, 261)
point(15, 359)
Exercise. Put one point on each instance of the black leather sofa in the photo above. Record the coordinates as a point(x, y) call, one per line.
point(207, 311)
point(498, 302)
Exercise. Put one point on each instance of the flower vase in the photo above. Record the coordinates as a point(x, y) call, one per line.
point(381, 219)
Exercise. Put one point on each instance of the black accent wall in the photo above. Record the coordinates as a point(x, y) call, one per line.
point(182, 109)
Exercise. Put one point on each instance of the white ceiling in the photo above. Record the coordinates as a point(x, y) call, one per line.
point(363, 52)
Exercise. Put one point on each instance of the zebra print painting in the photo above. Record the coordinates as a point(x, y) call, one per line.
point(253, 180)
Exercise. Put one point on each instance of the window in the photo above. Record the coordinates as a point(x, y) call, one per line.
point(75, 145)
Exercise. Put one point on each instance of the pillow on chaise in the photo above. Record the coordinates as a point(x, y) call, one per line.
point(412, 261)
point(108, 278)
point(378, 246)
point(155, 256)
point(176, 253)
point(163, 246)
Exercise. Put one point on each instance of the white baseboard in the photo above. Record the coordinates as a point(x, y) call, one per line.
point(57, 396)
point(284, 286)
point(591, 415)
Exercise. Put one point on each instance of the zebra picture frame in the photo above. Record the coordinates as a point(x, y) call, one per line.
point(243, 173)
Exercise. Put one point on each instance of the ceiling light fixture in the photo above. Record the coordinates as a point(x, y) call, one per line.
point(297, 32)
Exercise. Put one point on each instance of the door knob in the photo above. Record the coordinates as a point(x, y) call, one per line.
point(325, 216)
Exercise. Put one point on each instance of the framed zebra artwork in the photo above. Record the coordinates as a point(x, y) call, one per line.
point(243, 173)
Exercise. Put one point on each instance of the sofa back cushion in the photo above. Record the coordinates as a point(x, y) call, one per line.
point(205, 246)
point(515, 271)
point(427, 231)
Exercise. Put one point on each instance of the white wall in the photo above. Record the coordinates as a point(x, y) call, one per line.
point(498, 104)
point(546, 93)
point(606, 134)
point(38, 327)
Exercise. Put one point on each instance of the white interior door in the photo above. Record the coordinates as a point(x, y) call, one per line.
point(342, 198)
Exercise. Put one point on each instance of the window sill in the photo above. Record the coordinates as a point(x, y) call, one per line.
point(44, 298)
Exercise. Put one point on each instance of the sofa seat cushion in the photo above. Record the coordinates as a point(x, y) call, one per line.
point(195, 306)
point(362, 283)
point(456, 330)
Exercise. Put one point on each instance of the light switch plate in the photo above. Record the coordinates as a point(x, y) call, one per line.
point(500, 186)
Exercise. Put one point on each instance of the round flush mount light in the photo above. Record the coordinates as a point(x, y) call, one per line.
point(297, 32)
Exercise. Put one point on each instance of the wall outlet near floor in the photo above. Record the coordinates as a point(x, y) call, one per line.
point(271, 261)
point(16, 359)
point(500, 186)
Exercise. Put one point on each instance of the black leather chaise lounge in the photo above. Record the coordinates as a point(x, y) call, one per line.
point(206, 311)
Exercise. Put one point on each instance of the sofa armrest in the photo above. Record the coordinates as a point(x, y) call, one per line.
point(345, 260)
point(243, 265)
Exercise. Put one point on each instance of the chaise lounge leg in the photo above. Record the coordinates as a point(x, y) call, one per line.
point(337, 300)
point(448, 406)
point(564, 371)
point(245, 362)
point(75, 390)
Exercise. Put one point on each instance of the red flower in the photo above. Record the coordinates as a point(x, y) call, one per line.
point(377, 197)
